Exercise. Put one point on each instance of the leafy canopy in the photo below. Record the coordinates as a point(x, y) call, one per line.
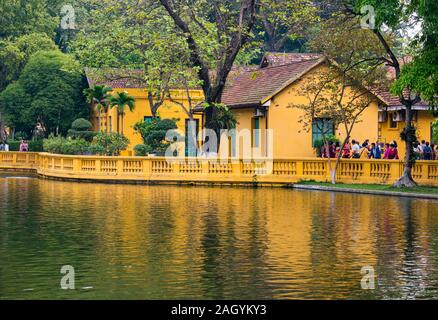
point(47, 94)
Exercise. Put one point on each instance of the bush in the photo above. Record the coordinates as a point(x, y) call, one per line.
point(154, 134)
point(142, 150)
point(81, 124)
point(34, 145)
point(68, 146)
point(81, 129)
point(109, 144)
point(20, 135)
point(319, 143)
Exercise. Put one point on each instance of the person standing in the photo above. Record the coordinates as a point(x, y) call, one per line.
point(393, 152)
point(24, 146)
point(375, 152)
point(346, 150)
point(355, 150)
point(427, 152)
point(386, 154)
point(417, 151)
point(365, 151)
point(422, 146)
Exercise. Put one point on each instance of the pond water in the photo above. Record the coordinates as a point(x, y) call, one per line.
point(170, 242)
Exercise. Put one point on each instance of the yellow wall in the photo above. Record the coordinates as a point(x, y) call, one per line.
point(168, 110)
point(245, 121)
point(292, 139)
point(422, 123)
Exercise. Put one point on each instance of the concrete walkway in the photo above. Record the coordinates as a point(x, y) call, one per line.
point(371, 192)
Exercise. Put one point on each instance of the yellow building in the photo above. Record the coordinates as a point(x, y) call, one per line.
point(260, 97)
point(392, 118)
point(142, 110)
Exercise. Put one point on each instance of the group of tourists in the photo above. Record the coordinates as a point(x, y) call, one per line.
point(24, 146)
point(389, 151)
point(425, 151)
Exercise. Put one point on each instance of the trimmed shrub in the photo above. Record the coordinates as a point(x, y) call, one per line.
point(81, 124)
point(320, 143)
point(154, 134)
point(81, 129)
point(142, 150)
point(109, 144)
point(60, 145)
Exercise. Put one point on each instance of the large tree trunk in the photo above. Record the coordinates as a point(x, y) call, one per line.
point(409, 136)
point(99, 119)
point(107, 124)
point(123, 118)
point(118, 122)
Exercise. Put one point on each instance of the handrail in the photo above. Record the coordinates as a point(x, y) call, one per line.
point(254, 171)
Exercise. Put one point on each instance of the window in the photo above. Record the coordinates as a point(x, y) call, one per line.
point(233, 145)
point(256, 133)
point(393, 121)
point(320, 127)
point(191, 152)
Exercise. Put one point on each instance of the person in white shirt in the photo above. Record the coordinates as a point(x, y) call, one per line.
point(356, 149)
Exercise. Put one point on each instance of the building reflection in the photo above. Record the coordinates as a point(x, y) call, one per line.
point(219, 243)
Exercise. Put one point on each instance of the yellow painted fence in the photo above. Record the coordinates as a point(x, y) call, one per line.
point(261, 171)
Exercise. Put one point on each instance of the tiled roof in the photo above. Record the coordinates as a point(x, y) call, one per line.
point(249, 88)
point(275, 59)
point(279, 59)
point(390, 99)
point(393, 101)
point(116, 78)
point(246, 86)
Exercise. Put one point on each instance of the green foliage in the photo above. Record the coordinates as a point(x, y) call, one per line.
point(20, 135)
point(122, 100)
point(154, 134)
point(81, 124)
point(142, 150)
point(224, 118)
point(109, 144)
point(104, 144)
point(389, 12)
point(319, 143)
point(420, 74)
point(81, 129)
point(34, 145)
point(281, 22)
point(24, 17)
point(14, 106)
point(68, 146)
point(48, 93)
point(99, 96)
point(15, 53)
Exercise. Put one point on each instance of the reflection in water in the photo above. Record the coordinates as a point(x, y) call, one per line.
point(168, 242)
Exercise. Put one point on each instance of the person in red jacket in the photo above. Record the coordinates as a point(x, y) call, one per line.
point(393, 152)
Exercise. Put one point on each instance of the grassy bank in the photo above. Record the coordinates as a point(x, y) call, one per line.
point(374, 187)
